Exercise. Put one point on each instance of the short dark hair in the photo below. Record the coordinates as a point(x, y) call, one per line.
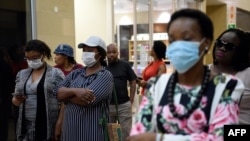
point(240, 59)
point(206, 25)
point(39, 46)
point(160, 49)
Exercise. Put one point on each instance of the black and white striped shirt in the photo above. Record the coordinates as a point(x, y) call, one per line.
point(81, 123)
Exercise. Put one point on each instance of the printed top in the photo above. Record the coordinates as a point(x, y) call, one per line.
point(218, 106)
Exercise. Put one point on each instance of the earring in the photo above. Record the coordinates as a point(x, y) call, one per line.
point(206, 49)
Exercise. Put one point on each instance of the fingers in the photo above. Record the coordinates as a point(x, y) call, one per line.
point(88, 96)
point(17, 100)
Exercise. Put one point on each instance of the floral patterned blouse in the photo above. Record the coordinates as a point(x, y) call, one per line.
point(218, 106)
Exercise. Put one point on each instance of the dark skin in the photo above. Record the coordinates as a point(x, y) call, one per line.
point(161, 70)
point(224, 57)
point(183, 29)
point(112, 55)
point(63, 61)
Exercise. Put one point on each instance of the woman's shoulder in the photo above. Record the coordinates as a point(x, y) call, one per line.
point(229, 85)
point(243, 73)
point(160, 79)
point(24, 71)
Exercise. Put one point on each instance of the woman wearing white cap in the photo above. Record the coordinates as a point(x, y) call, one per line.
point(87, 92)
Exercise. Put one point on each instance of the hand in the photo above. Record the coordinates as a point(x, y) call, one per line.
point(58, 130)
point(18, 99)
point(142, 137)
point(86, 95)
point(142, 83)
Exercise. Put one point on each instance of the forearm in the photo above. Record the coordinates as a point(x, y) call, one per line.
point(77, 101)
point(65, 93)
point(60, 117)
point(132, 91)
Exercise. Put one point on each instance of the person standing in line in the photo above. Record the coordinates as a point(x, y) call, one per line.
point(86, 93)
point(65, 61)
point(38, 108)
point(156, 67)
point(191, 104)
point(230, 55)
point(122, 74)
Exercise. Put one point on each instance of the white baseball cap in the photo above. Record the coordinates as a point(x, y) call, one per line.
point(93, 41)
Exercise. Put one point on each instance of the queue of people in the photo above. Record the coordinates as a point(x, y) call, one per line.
point(73, 102)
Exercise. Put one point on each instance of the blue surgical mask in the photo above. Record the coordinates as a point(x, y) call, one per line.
point(183, 54)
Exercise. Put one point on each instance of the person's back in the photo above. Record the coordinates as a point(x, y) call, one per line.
point(157, 66)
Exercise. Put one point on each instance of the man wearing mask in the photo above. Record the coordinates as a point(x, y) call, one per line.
point(122, 74)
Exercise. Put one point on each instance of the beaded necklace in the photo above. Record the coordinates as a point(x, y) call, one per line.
point(195, 104)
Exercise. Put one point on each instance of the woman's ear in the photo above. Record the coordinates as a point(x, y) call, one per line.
point(207, 43)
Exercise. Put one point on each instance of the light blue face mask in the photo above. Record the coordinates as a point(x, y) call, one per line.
point(184, 54)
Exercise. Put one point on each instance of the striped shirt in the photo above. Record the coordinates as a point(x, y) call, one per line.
point(81, 123)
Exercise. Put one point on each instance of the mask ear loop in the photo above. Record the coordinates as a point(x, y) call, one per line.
point(206, 48)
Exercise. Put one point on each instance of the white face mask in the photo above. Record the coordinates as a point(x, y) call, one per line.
point(88, 58)
point(35, 64)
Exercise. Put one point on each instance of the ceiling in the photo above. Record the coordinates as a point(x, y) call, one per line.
point(126, 6)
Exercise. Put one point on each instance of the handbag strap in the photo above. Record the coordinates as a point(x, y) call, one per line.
point(116, 104)
point(104, 122)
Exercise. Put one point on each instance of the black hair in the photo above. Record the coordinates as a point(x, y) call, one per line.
point(103, 54)
point(203, 20)
point(70, 59)
point(240, 59)
point(39, 46)
point(160, 49)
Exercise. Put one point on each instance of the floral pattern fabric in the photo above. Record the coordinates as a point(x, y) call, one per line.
point(204, 124)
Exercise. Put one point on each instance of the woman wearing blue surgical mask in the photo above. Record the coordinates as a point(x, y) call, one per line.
point(86, 94)
point(38, 108)
point(191, 104)
point(230, 55)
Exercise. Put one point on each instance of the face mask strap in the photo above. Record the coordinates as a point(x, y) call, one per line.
point(204, 52)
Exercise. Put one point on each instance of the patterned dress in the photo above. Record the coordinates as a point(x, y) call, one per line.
point(218, 106)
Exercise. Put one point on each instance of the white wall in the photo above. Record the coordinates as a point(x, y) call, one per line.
point(92, 17)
